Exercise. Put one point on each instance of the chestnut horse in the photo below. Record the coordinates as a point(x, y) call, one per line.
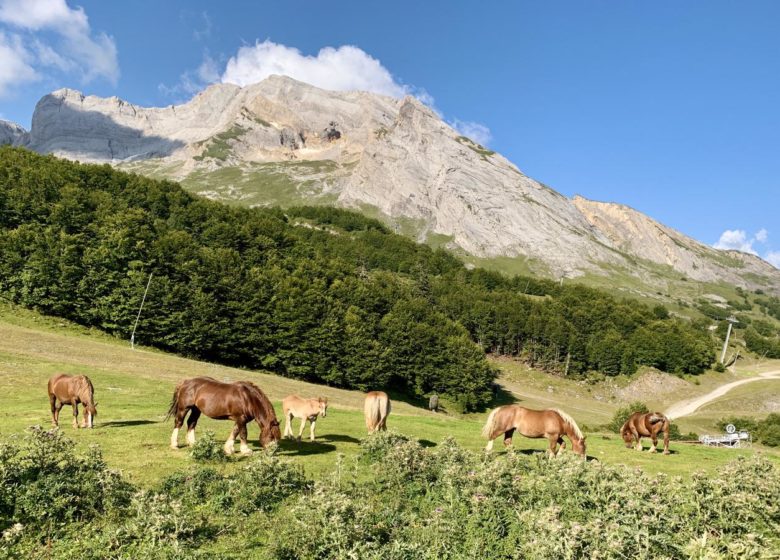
point(72, 390)
point(376, 408)
point(646, 424)
point(551, 423)
point(305, 409)
point(240, 402)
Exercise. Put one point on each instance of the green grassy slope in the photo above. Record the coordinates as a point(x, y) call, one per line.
point(133, 389)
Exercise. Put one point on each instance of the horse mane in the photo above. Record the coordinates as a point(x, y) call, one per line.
point(260, 401)
point(570, 421)
point(84, 388)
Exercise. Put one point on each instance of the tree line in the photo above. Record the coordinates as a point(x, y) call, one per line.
point(319, 294)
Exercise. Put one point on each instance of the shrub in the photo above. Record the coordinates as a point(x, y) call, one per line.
point(208, 449)
point(260, 485)
point(42, 467)
point(623, 413)
point(377, 445)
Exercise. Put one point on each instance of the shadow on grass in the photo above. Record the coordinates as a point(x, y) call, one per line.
point(339, 437)
point(303, 448)
point(426, 443)
point(125, 423)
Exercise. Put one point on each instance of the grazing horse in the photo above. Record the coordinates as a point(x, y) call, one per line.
point(72, 390)
point(646, 424)
point(240, 402)
point(305, 409)
point(376, 408)
point(552, 424)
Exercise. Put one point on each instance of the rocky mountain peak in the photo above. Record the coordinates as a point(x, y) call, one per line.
point(281, 141)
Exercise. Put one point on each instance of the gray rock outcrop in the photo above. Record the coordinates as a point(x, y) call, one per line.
point(394, 158)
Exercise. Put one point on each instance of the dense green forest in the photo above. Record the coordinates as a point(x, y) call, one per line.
point(314, 293)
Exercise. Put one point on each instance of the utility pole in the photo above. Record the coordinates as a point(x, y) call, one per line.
point(132, 336)
point(731, 321)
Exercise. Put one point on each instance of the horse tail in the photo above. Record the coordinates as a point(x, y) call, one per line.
point(570, 422)
point(174, 403)
point(490, 424)
point(657, 417)
point(372, 412)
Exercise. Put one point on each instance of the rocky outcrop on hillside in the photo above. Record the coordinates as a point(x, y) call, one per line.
point(393, 158)
point(639, 235)
point(12, 133)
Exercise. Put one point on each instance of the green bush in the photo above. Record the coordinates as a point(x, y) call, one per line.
point(207, 449)
point(43, 480)
point(415, 502)
point(260, 485)
point(622, 414)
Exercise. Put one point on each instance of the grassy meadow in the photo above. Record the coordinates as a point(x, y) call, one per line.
point(134, 387)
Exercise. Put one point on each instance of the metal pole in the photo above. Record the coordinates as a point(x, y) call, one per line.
point(132, 336)
point(726, 343)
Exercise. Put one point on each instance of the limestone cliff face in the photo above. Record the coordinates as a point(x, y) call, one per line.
point(636, 234)
point(283, 140)
point(12, 133)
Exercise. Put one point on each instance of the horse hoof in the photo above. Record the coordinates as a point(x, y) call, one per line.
point(667, 453)
point(652, 450)
point(174, 447)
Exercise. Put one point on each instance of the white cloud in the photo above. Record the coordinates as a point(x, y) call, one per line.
point(56, 36)
point(736, 239)
point(15, 61)
point(345, 68)
point(474, 130)
point(193, 81)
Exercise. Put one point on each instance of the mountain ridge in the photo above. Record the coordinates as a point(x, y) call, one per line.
point(281, 141)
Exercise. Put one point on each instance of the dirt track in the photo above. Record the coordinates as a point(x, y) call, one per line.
point(689, 406)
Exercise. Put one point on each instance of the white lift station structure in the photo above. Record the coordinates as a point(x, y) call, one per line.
point(732, 438)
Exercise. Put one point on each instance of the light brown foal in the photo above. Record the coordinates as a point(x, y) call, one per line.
point(305, 409)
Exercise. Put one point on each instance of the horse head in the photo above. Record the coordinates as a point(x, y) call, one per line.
point(270, 432)
point(627, 436)
point(578, 446)
point(323, 401)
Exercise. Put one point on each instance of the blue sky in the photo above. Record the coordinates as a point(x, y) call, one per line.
point(669, 107)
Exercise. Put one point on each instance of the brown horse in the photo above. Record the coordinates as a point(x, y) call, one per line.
point(305, 409)
point(551, 423)
point(72, 390)
point(646, 424)
point(240, 402)
point(376, 409)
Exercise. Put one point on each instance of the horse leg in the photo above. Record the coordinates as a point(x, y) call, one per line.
point(638, 438)
point(192, 421)
point(76, 415)
point(288, 425)
point(551, 450)
point(303, 425)
point(666, 440)
point(54, 411)
point(312, 423)
point(242, 436)
point(562, 444)
point(178, 420)
point(508, 437)
point(654, 439)
point(231, 440)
